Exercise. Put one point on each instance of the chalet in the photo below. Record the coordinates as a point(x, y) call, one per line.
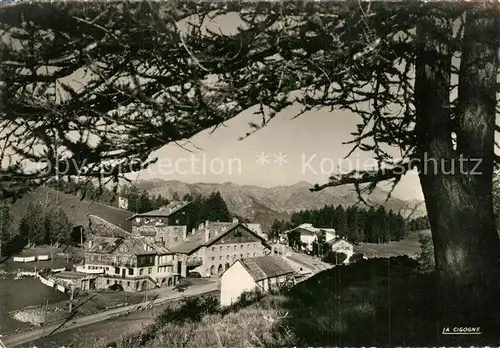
point(214, 246)
point(165, 226)
point(309, 234)
point(135, 263)
point(341, 245)
point(257, 273)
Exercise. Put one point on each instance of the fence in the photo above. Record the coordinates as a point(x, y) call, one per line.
point(25, 259)
point(31, 258)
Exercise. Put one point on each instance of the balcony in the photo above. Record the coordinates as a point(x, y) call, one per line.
point(123, 264)
point(166, 263)
point(193, 262)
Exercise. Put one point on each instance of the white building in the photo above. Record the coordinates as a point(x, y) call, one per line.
point(341, 245)
point(249, 274)
point(309, 234)
point(123, 203)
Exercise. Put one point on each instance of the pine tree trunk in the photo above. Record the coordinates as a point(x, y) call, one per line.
point(458, 198)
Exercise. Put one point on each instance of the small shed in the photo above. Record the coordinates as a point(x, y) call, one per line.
point(256, 273)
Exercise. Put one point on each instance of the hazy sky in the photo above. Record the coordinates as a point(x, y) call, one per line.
point(311, 145)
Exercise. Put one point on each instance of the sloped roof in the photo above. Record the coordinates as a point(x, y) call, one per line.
point(135, 245)
point(104, 245)
point(196, 240)
point(264, 267)
point(338, 240)
point(166, 211)
point(257, 228)
point(304, 231)
point(76, 209)
point(100, 227)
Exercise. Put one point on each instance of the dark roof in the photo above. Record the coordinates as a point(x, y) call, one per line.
point(136, 246)
point(264, 267)
point(166, 211)
point(77, 210)
point(197, 240)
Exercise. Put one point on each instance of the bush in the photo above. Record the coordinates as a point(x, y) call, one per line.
point(335, 258)
point(426, 262)
point(356, 258)
point(116, 287)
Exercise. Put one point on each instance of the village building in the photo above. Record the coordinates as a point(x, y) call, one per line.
point(165, 226)
point(257, 228)
point(254, 274)
point(341, 245)
point(214, 246)
point(135, 263)
point(309, 234)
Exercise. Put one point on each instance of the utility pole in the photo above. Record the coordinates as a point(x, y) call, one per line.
point(45, 316)
point(71, 296)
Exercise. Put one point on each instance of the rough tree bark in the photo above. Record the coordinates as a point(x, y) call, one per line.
point(459, 197)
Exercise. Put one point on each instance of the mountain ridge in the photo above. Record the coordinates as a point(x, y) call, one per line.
point(264, 205)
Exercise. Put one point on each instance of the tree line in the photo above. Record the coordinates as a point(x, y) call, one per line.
point(374, 225)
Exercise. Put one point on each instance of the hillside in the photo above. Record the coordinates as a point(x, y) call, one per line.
point(266, 204)
point(76, 209)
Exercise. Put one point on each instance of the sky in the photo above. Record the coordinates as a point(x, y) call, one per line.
point(307, 148)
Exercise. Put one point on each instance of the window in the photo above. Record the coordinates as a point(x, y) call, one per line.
point(107, 281)
point(220, 249)
point(150, 270)
point(176, 221)
point(141, 271)
point(147, 221)
point(248, 246)
point(235, 247)
point(117, 270)
point(241, 247)
point(128, 283)
point(227, 257)
point(241, 255)
point(213, 258)
point(220, 257)
point(228, 248)
point(130, 271)
point(213, 248)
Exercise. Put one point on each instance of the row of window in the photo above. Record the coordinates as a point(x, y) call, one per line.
point(228, 248)
point(98, 267)
point(235, 256)
point(158, 220)
point(131, 271)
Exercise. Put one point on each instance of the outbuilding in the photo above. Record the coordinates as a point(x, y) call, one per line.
point(256, 273)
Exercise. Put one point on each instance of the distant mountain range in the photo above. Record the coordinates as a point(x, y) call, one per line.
point(264, 205)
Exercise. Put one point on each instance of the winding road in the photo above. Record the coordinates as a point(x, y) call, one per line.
point(29, 336)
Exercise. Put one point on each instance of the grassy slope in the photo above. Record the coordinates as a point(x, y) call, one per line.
point(377, 302)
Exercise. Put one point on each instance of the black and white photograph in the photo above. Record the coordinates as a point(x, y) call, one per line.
point(244, 174)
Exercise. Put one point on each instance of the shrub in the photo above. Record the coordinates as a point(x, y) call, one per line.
point(426, 262)
point(116, 287)
point(356, 257)
point(335, 258)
